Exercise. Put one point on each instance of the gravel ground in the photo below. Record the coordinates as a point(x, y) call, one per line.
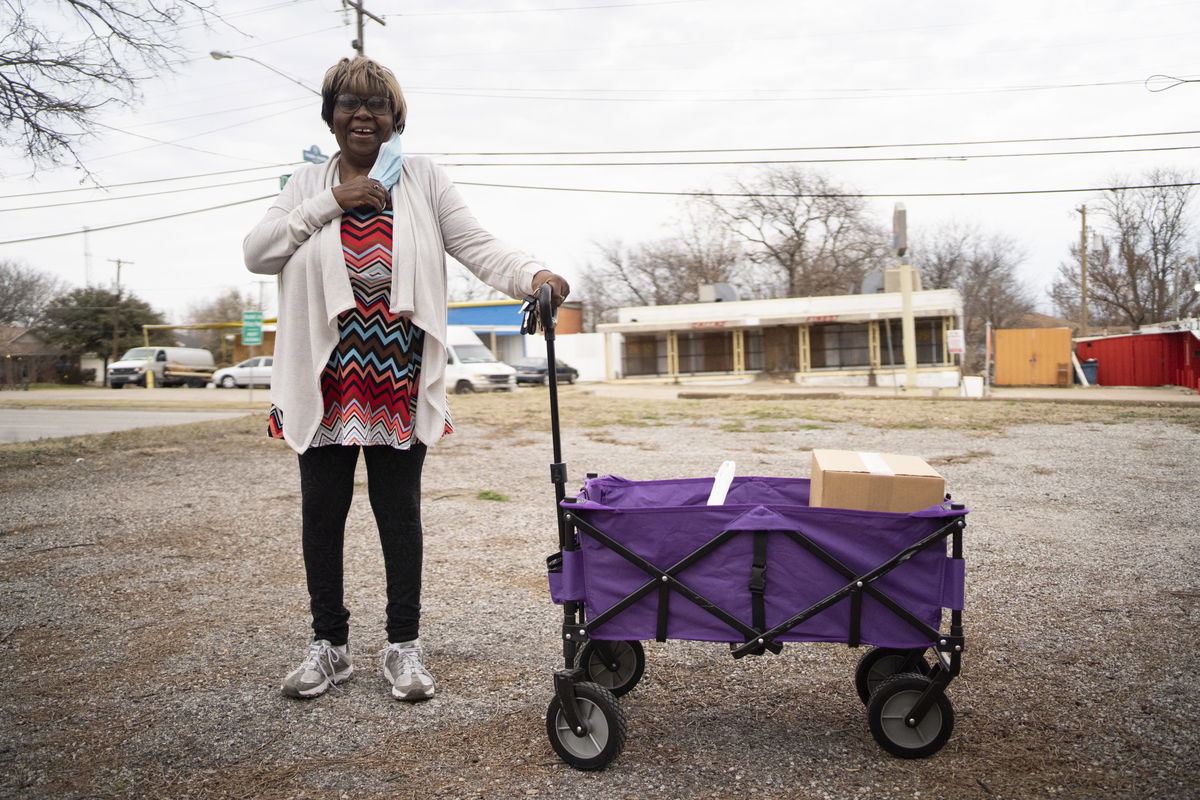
point(153, 598)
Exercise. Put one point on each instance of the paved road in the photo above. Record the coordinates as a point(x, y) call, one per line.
point(28, 424)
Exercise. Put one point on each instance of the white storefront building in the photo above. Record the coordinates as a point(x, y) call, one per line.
point(839, 340)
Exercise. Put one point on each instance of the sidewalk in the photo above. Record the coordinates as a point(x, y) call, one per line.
point(242, 399)
point(1119, 395)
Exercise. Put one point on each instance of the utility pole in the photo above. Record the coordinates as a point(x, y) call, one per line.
point(1083, 244)
point(87, 258)
point(907, 323)
point(116, 316)
point(260, 292)
point(360, 12)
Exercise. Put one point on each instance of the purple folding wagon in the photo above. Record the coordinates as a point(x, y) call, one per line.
point(641, 560)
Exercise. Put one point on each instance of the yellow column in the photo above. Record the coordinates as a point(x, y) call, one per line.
point(908, 326)
point(873, 350)
point(803, 350)
point(739, 349)
point(672, 354)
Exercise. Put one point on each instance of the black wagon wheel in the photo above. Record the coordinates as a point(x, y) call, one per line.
point(888, 713)
point(617, 666)
point(880, 663)
point(605, 737)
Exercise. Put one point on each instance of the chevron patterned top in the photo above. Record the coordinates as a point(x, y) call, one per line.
point(370, 381)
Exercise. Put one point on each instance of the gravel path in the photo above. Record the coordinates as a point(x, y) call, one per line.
point(153, 597)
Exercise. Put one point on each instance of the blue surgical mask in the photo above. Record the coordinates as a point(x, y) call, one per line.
point(389, 162)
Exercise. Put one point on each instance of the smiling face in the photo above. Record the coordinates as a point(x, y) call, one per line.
point(360, 133)
point(363, 105)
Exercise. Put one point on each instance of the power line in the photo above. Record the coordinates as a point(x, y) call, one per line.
point(764, 162)
point(465, 13)
point(692, 151)
point(829, 195)
point(175, 142)
point(965, 157)
point(149, 181)
point(217, 112)
point(823, 146)
point(709, 96)
point(138, 196)
point(159, 142)
point(137, 222)
point(641, 192)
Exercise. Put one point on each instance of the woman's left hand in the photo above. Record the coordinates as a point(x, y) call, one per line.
point(559, 288)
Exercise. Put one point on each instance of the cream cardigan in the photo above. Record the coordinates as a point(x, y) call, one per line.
point(299, 239)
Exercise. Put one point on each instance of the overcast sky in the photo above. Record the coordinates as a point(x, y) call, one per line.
point(554, 76)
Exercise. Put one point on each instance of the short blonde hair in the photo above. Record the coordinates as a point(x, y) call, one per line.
point(365, 78)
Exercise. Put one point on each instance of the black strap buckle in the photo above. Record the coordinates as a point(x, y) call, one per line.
point(758, 579)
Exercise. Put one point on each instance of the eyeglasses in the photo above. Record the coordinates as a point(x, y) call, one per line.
point(352, 102)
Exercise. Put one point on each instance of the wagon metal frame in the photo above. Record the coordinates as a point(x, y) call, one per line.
point(908, 711)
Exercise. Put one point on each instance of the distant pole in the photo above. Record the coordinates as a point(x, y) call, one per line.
point(116, 316)
point(907, 324)
point(1083, 307)
point(87, 258)
point(359, 12)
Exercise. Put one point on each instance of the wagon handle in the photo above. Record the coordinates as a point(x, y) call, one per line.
point(539, 314)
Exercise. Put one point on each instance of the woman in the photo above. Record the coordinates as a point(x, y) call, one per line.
point(360, 352)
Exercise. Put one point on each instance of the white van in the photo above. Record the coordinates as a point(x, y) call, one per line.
point(171, 366)
point(471, 367)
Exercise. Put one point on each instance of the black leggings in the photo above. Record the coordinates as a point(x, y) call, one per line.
point(394, 488)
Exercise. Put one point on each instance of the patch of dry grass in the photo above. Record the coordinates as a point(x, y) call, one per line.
point(531, 411)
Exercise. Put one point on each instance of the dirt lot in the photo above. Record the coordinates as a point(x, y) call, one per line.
point(153, 597)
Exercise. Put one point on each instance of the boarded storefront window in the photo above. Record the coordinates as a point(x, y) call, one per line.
point(929, 342)
point(840, 345)
point(645, 355)
point(705, 352)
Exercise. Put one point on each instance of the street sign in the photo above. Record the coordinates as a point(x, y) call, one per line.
point(252, 327)
point(313, 155)
point(954, 340)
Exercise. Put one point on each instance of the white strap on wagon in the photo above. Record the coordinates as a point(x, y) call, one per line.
point(721, 484)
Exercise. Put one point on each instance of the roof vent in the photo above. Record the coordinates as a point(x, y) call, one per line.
point(717, 293)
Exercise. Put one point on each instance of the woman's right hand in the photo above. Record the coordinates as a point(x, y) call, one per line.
point(361, 192)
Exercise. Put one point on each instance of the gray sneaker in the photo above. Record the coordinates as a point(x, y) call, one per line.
point(324, 665)
point(404, 671)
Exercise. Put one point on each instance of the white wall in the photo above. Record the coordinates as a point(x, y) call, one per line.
point(583, 351)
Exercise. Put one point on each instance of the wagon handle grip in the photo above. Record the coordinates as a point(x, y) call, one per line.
point(545, 313)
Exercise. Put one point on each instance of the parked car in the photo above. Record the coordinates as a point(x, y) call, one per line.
point(470, 365)
point(161, 366)
point(532, 369)
point(256, 371)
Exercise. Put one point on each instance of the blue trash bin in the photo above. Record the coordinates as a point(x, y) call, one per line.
point(1090, 368)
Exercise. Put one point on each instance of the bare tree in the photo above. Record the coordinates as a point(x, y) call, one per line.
point(1144, 268)
point(463, 287)
point(807, 235)
point(984, 269)
point(226, 307)
point(63, 60)
point(664, 271)
point(24, 293)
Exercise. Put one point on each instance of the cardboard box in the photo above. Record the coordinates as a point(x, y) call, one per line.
point(873, 481)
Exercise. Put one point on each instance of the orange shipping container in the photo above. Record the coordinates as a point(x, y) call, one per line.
point(1033, 357)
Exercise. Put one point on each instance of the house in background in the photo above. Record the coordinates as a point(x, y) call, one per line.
point(838, 340)
point(26, 359)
